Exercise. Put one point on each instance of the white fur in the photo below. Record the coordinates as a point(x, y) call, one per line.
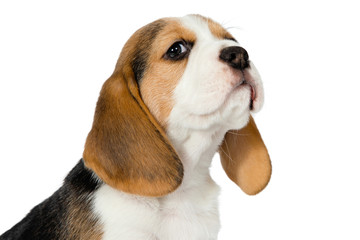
point(207, 105)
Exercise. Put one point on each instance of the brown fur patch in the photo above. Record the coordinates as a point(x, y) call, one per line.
point(82, 223)
point(216, 29)
point(245, 158)
point(126, 147)
point(162, 76)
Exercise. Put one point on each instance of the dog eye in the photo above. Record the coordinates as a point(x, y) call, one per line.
point(177, 51)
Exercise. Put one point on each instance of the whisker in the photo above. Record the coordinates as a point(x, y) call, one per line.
point(235, 27)
point(228, 155)
point(238, 134)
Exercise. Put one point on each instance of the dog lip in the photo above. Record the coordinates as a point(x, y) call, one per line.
point(252, 89)
point(253, 92)
point(253, 96)
point(247, 80)
point(250, 81)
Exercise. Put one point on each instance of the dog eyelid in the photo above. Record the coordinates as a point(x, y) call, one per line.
point(178, 50)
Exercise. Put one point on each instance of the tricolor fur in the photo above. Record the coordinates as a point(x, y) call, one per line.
point(182, 90)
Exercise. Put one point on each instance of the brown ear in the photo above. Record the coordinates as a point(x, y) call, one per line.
point(245, 158)
point(126, 147)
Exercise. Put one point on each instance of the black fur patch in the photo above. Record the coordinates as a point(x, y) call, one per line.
point(141, 54)
point(48, 220)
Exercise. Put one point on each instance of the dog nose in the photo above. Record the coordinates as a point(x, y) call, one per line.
point(236, 57)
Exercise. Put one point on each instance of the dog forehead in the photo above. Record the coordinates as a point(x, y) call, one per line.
point(149, 43)
point(191, 26)
point(205, 28)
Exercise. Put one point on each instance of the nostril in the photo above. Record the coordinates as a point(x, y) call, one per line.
point(245, 55)
point(236, 57)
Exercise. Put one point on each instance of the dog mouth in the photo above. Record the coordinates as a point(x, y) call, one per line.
point(246, 80)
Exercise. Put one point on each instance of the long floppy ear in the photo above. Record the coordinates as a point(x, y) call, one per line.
point(126, 147)
point(245, 158)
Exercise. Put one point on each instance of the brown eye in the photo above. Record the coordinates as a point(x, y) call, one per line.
point(177, 51)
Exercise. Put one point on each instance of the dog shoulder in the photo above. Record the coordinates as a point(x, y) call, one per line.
point(66, 214)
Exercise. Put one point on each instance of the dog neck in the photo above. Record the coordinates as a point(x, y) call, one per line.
point(196, 148)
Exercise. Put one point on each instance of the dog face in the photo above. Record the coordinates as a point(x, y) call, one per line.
point(198, 76)
point(177, 73)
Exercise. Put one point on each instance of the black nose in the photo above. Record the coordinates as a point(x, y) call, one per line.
point(236, 57)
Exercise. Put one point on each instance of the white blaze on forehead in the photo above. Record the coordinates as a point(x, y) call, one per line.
point(199, 26)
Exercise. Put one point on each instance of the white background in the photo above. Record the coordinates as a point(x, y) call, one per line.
point(54, 58)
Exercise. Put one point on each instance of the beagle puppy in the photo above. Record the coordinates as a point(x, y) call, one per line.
point(182, 90)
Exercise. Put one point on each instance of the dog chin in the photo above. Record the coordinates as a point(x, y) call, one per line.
point(231, 116)
point(236, 110)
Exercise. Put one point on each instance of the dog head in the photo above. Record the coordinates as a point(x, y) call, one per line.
point(177, 72)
